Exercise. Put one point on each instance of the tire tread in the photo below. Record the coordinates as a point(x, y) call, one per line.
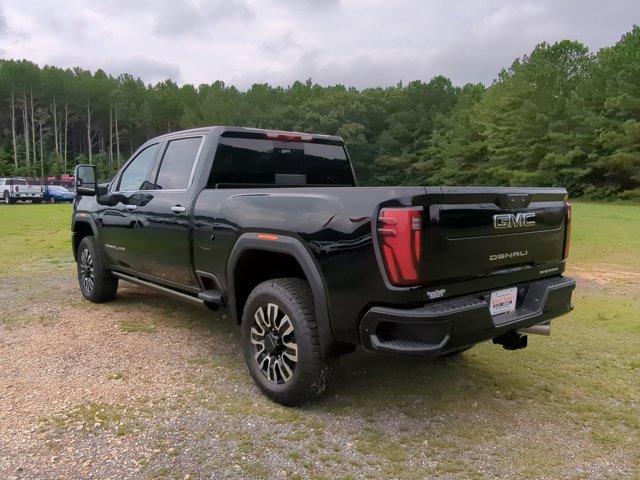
point(314, 377)
point(106, 285)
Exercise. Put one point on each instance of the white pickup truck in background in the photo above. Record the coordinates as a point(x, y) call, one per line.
point(14, 189)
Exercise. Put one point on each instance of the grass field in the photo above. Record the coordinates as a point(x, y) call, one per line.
point(162, 384)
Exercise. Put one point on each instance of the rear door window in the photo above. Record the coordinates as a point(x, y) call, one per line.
point(177, 163)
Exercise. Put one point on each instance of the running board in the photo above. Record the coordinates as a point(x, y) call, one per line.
point(144, 283)
point(212, 297)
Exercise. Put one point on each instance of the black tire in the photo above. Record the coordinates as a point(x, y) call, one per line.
point(37, 200)
point(96, 282)
point(287, 382)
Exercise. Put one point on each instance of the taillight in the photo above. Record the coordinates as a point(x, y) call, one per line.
point(567, 231)
point(400, 231)
point(17, 188)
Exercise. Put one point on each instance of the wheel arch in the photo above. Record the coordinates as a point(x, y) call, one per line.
point(293, 260)
point(83, 226)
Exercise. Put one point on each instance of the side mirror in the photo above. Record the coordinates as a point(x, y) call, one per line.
point(86, 180)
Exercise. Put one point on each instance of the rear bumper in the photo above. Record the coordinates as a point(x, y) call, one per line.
point(449, 325)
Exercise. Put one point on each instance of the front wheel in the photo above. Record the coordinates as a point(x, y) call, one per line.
point(280, 341)
point(97, 284)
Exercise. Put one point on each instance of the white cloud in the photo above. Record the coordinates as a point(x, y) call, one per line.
point(150, 70)
point(353, 42)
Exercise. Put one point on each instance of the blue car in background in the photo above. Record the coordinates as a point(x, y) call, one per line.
point(57, 193)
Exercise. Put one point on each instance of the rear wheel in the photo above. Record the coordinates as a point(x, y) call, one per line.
point(37, 200)
point(280, 341)
point(96, 282)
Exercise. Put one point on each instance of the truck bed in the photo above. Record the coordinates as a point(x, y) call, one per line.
point(462, 252)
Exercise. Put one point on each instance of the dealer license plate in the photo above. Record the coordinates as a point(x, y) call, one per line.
point(503, 301)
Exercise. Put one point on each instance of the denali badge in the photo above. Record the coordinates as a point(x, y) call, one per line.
point(514, 220)
point(504, 256)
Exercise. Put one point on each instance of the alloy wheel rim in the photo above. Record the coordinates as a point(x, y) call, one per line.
point(274, 344)
point(86, 270)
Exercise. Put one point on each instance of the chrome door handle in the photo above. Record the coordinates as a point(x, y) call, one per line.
point(178, 209)
point(130, 207)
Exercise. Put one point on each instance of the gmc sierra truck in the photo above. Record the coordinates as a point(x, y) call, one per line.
point(272, 226)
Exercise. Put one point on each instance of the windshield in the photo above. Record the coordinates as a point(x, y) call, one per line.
point(242, 161)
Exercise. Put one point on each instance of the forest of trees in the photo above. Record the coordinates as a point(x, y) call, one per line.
point(560, 116)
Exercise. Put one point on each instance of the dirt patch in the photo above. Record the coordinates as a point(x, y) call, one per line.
point(609, 277)
point(149, 387)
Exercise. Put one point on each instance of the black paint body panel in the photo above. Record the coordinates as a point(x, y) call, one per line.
point(335, 228)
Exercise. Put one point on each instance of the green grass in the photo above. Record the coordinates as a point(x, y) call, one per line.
point(30, 234)
point(133, 327)
point(605, 233)
point(94, 417)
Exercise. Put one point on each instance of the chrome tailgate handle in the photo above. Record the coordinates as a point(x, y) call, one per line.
point(178, 209)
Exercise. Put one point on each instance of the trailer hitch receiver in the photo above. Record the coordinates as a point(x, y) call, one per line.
point(511, 340)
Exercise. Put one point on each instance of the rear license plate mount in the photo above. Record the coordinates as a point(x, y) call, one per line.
point(503, 301)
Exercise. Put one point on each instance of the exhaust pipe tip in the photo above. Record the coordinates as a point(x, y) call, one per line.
point(541, 329)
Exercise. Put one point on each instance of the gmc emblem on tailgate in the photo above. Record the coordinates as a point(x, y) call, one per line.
point(514, 220)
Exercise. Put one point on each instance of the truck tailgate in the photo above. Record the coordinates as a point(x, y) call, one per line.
point(480, 232)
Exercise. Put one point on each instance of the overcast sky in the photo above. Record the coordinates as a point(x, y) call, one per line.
point(353, 42)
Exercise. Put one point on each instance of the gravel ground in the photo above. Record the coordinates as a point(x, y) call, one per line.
point(149, 387)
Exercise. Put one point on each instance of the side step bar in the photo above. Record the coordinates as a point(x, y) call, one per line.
point(206, 297)
point(212, 297)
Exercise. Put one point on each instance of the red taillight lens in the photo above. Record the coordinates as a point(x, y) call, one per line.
point(17, 188)
point(567, 231)
point(400, 231)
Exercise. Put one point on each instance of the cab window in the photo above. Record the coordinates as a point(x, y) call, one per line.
point(136, 174)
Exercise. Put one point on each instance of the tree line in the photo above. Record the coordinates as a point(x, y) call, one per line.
point(560, 116)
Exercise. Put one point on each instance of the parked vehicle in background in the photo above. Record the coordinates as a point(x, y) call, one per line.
point(57, 193)
point(17, 188)
point(63, 180)
point(273, 226)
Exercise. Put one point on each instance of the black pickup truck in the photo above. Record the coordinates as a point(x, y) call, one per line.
point(272, 226)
